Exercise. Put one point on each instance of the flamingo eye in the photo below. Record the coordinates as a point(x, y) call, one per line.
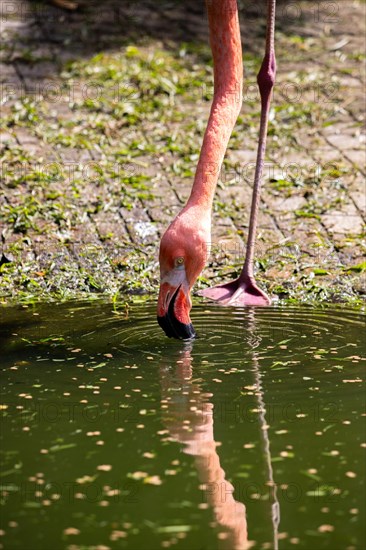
point(179, 262)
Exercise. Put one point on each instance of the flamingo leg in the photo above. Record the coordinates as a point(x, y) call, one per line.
point(244, 291)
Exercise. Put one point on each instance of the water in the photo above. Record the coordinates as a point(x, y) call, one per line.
point(114, 436)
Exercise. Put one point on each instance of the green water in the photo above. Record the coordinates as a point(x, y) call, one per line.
point(113, 436)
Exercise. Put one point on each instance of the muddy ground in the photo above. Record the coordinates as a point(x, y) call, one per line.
point(103, 113)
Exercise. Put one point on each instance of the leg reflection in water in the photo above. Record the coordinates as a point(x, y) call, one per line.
point(188, 415)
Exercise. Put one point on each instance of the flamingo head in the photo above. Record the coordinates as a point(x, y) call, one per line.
point(182, 258)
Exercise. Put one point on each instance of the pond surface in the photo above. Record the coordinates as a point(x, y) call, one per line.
point(114, 436)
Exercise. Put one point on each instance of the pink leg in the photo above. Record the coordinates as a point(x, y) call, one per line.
point(244, 291)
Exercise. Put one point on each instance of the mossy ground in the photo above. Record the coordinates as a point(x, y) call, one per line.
point(101, 136)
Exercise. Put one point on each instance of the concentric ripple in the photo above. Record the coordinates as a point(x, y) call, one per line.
point(224, 333)
point(274, 322)
point(229, 335)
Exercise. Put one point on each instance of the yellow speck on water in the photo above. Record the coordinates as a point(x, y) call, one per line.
point(149, 357)
point(115, 535)
point(153, 480)
point(108, 355)
point(138, 475)
point(84, 479)
point(326, 528)
point(104, 467)
point(148, 455)
point(71, 531)
point(351, 474)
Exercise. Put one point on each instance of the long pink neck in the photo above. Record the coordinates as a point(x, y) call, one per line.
point(228, 78)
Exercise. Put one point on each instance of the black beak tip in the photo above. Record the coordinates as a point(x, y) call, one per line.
point(172, 327)
point(175, 329)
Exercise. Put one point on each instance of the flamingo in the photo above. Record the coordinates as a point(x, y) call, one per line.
point(185, 244)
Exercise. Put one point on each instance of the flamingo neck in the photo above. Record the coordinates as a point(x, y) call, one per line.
point(228, 81)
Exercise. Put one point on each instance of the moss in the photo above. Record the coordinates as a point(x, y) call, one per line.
point(135, 119)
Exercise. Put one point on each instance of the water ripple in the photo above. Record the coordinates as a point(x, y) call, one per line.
point(232, 332)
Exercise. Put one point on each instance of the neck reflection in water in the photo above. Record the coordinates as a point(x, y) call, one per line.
point(188, 414)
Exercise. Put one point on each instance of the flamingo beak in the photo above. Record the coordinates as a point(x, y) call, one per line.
point(174, 304)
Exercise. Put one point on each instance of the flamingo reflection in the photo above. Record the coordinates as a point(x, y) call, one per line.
point(188, 415)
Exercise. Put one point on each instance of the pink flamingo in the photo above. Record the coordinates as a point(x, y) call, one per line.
point(184, 245)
